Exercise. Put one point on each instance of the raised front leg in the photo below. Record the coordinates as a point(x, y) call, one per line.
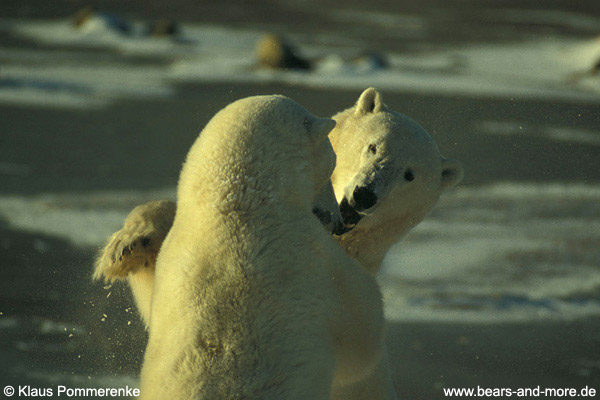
point(131, 252)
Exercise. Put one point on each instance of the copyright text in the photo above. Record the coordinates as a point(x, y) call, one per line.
point(25, 391)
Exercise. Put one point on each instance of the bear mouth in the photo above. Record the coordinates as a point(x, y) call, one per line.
point(331, 224)
point(350, 217)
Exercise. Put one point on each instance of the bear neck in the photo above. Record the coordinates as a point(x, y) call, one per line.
point(369, 243)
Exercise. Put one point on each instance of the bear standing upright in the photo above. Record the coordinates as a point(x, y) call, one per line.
point(253, 298)
point(386, 158)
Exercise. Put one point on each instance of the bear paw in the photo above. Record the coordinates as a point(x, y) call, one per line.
point(135, 246)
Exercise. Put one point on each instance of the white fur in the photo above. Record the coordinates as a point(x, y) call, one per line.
point(402, 205)
point(400, 144)
point(253, 299)
point(400, 141)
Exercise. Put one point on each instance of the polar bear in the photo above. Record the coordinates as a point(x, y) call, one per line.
point(388, 155)
point(388, 176)
point(253, 298)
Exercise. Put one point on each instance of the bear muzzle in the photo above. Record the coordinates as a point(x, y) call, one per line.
point(349, 216)
point(363, 198)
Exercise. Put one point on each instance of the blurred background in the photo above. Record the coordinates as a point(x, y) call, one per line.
point(498, 287)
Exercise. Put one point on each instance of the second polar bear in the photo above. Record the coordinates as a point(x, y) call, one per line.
point(389, 175)
point(253, 298)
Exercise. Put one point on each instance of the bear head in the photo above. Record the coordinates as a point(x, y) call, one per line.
point(263, 151)
point(388, 167)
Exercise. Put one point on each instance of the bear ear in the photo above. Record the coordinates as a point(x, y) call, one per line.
point(370, 101)
point(319, 128)
point(452, 172)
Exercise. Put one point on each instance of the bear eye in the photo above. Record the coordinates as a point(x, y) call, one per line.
point(372, 149)
point(409, 175)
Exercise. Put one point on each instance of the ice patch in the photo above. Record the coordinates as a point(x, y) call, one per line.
point(399, 308)
point(50, 327)
point(85, 381)
point(555, 133)
point(193, 39)
point(48, 99)
point(83, 219)
point(14, 169)
point(504, 252)
point(399, 25)
point(8, 323)
point(552, 68)
point(573, 20)
point(80, 86)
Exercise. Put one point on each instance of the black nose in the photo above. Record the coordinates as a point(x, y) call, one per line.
point(364, 198)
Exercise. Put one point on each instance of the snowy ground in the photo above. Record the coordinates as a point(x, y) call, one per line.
point(499, 286)
point(547, 67)
point(495, 253)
